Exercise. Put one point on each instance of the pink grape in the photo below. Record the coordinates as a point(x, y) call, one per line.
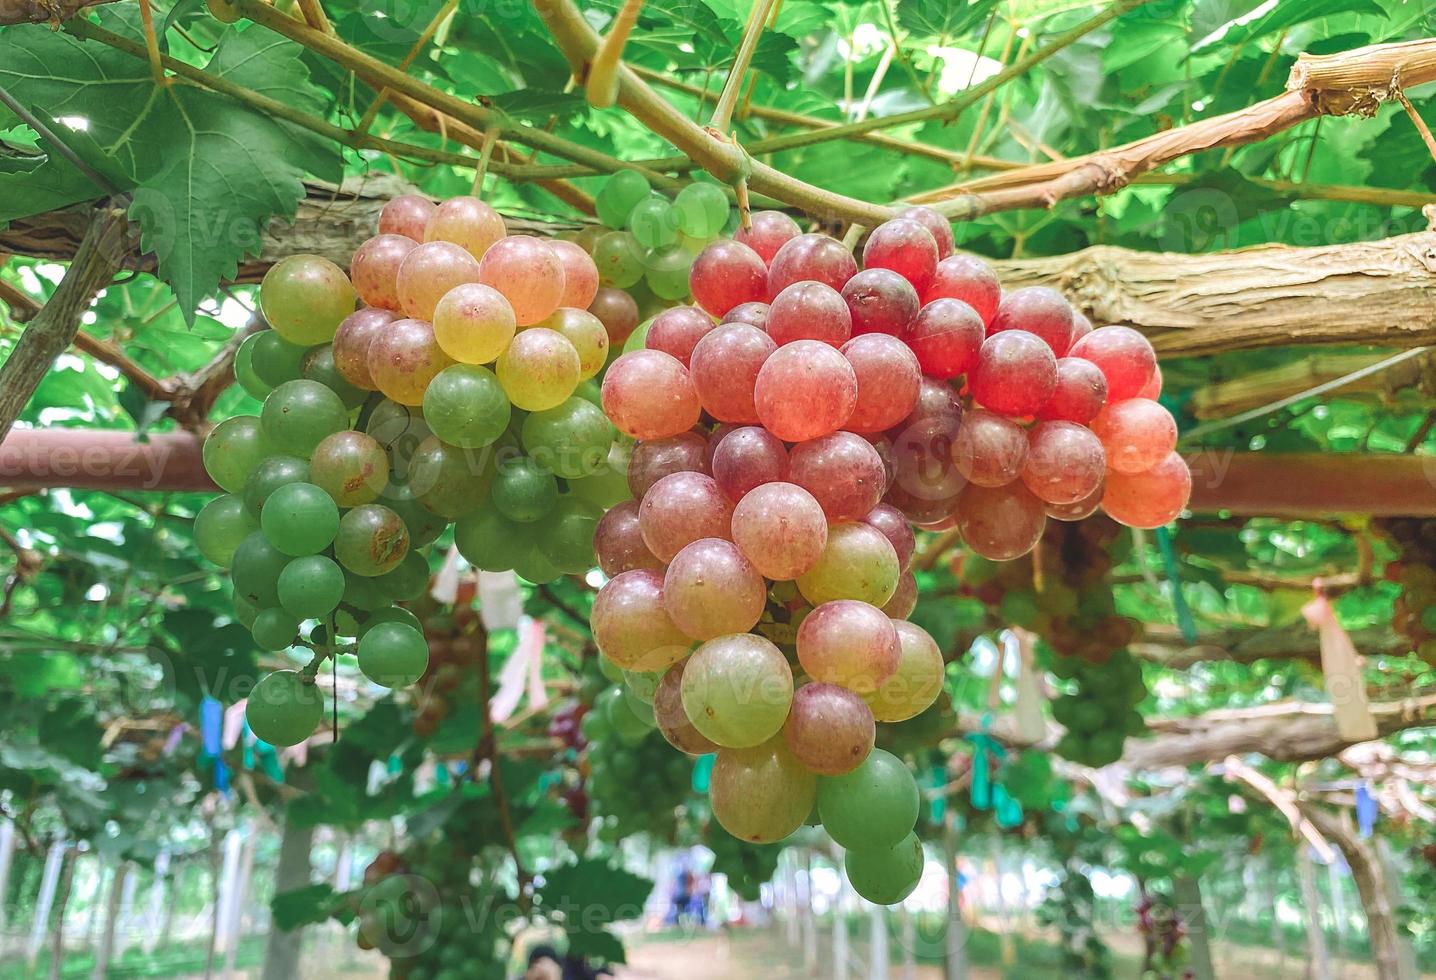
point(651, 461)
point(1000, 523)
point(715, 436)
point(804, 390)
point(936, 398)
point(374, 269)
point(678, 330)
point(850, 643)
point(467, 222)
point(403, 358)
point(1081, 327)
point(580, 275)
point(904, 600)
point(1065, 462)
point(890, 521)
point(753, 314)
point(1080, 393)
point(1137, 434)
point(428, 272)
point(351, 344)
point(630, 625)
point(966, 278)
point(858, 563)
point(926, 511)
point(711, 590)
point(906, 247)
point(727, 274)
point(737, 689)
point(648, 394)
point(888, 376)
point(724, 367)
point(681, 508)
point(761, 794)
point(918, 680)
point(407, 215)
point(937, 226)
point(781, 529)
point(618, 542)
point(811, 256)
point(922, 450)
point(1125, 357)
point(672, 720)
point(616, 310)
point(1081, 510)
point(830, 729)
point(474, 323)
point(880, 301)
point(809, 311)
point(1038, 310)
point(748, 457)
point(989, 450)
point(842, 471)
point(1153, 388)
point(527, 272)
point(947, 337)
point(770, 230)
point(1150, 499)
point(1015, 375)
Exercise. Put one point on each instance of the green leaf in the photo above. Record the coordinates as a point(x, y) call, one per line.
point(537, 105)
point(145, 412)
point(597, 946)
point(306, 906)
point(591, 894)
point(942, 18)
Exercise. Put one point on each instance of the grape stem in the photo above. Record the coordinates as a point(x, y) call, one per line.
point(723, 111)
point(487, 748)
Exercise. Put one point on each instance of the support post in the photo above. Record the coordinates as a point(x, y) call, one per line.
point(106, 946)
point(1187, 893)
point(49, 881)
point(282, 949)
point(1318, 962)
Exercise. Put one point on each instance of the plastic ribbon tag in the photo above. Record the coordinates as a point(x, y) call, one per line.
point(1366, 811)
point(1342, 672)
point(1185, 623)
point(703, 772)
point(445, 587)
point(500, 602)
point(1027, 711)
point(522, 671)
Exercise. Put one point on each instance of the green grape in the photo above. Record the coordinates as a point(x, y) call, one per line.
point(399, 429)
point(408, 580)
point(372, 540)
point(423, 524)
point(363, 593)
point(875, 805)
point(523, 490)
point(305, 297)
point(760, 794)
point(611, 670)
point(619, 194)
point(244, 611)
point(607, 487)
point(319, 366)
point(300, 519)
point(492, 542)
point(702, 210)
point(641, 685)
point(299, 414)
point(274, 629)
point(284, 709)
point(571, 440)
point(566, 537)
point(275, 360)
point(620, 259)
point(448, 480)
point(540, 369)
point(858, 562)
point(666, 272)
point(255, 570)
point(273, 473)
point(737, 690)
point(311, 587)
point(393, 655)
point(466, 406)
point(654, 222)
point(626, 724)
point(533, 566)
point(233, 449)
point(642, 710)
point(885, 875)
point(351, 467)
point(220, 527)
point(590, 391)
point(255, 386)
point(391, 614)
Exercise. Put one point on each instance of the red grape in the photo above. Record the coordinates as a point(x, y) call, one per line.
point(748, 457)
point(1149, 499)
point(830, 730)
point(580, 275)
point(1000, 523)
point(969, 279)
point(404, 357)
point(1081, 327)
point(1137, 434)
point(850, 643)
point(924, 478)
point(1080, 393)
point(1153, 388)
point(1038, 310)
point(947, 338)
point(1015, 375)
point(1125, 357)
point(407, 215)
point(888, 376)
point(904, 600)
point(648, 394)
point(374, 269)
point(527, 272)
point(351, 344)
point(880, 301)
point(1081, 510)
point(812, 256)
point(842, 471)
point(889, 520)
point(428, 272)
point(726, 274)
point(617, 311)
point(989, 450)
point(651, 461)
point(711, 590)
point(770, 230)
point(677, 331)
point(781, 529)
point(672, 720)
point(1065, 462)
point(725, 365)
point(809, 311)
point(681, 508)
point(466, 221)
point(804, 390)
point(618, 542)
point(906, 247)
point(937, 226)
point(631, 626)
point(753, 314)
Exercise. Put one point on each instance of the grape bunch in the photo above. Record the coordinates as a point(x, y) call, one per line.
point(634, 783)
point(746, 866)
point(1414, 613)
point(1103, 711)
point(456, 642)
point(459, 390)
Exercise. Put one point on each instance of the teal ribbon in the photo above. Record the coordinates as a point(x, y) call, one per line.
point(1185, 621)
point(703, 772)
point(987, 793)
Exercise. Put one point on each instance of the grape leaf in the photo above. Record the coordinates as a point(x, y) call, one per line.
point(943, 18)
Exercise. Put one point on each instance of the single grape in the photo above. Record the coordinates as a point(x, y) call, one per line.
point(580, 275)
point(905, 246)
point(372, 540)
point(311, 587)
point(727, 274)
point(724, 370)
point(649, 395)
point(654, 222)
point(673, 720)
point(571, 440)
point(768, 232)
point(534, 566)
point(618, 541)
point(947, 337)
point(351, 344)
point(428, 272)
point(1124, 356)
point(565, 538)
point(399, 429)
point(1137, 434)
point(527, 272)
point(781, 529)
point(255, 570)
point(710, 590)
point(490, 541)
point(969, 279)
point(890, 521)
point(850, 643)
point(467, 222)
point(284, 708)
point(274, 359)
point(811, 256)
point(761, 794)
point(937, 226)
point(465, 406)
point(618, 196)
point(904, 599)
point(408, 215)
point(923, 472)
point(449, 480)
point(678, 330)
point(652, 461)
point(221, 526)
point(888, 376)
point(319, 366)
point(829, 729)
point(753, 314)
point(619, 259)
point(406, 581)
point(393, 655)
point(748, 457)
point(300, 519)
point(473, 323)
point(609, 485)
point(842, 471)
point(617, 311)
point(587, 334)
point(404, 358)
point(374, 269)
point(916, 683)
point(702, 210)
point(804, 390)
point(1038, 310)
point(737, 690)
point(540, 369)
point(299, 414)
point(858, 562)
point(989, 450)
point(273, 473)
point(244, 373)
point(1081, 510)
point(1150, 499)
point(1153, 388)
point(304, 298)
point(809, 311)
point(886, 875)
point(1000, 523)
point(631, 626)
point(1080, 393)
point(681, 508)
point(523, 490)
point(665, 271)
point(875, 805)
point(1015, 374)
point(424, 526)
point(1065, 462)
point(880, 301)
point(233, 449)
point(274, 629)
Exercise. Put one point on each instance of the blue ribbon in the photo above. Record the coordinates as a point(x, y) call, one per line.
point(1185, 622)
